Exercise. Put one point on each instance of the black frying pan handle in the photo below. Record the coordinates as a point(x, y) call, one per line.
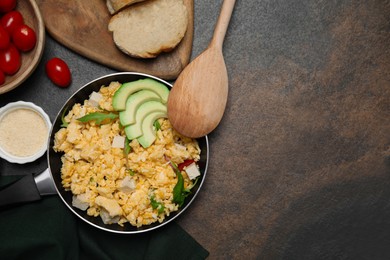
point(21, 190)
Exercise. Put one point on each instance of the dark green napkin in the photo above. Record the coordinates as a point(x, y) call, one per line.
point(48, 230)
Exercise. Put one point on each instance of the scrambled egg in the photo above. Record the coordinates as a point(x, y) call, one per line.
point(107, 182)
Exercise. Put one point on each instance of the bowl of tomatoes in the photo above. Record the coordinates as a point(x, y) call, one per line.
point(22, 39)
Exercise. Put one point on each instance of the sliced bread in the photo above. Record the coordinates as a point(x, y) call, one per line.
point(146, 29)
point(116, 5)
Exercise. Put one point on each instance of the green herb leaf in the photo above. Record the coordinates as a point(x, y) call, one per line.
point(64, 123)
point(157, 205)
point(130, 171)
point(179, 193)
point(98, 117)
point(157, 125)
point(127, 149)
point(193, 185)
point(126, 152)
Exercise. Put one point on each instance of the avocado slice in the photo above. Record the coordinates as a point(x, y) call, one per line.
point(127, 117)
point(149, 133)
point(135, 130)
point(124, 91)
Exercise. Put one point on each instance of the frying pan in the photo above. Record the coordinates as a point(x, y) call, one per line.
point(30, 188)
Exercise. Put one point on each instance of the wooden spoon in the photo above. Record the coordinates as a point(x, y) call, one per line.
point(198, 98)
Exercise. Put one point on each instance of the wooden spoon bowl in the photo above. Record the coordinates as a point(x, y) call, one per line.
point(30, 60)
point(196, 105)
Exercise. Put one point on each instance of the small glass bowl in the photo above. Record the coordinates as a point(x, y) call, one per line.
point(31, 106)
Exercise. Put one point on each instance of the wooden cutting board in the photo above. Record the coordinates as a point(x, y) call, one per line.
point(82, 27)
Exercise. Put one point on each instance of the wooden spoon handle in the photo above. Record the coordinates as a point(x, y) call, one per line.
point(222, 23)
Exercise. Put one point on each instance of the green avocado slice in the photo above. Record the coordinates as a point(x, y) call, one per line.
point(135, 130)
point(120, 96)
point(149, 133)
point(127, 117)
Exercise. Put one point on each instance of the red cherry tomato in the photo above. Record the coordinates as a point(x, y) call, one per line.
point(4, 38)
point(11, 20)
point(24, 38)
point(7, 5)
point(58, 72)
point(10, 60)
point(184, 164)
point(2, 78)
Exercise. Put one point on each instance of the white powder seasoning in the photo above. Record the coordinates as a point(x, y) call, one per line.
point(23, 132)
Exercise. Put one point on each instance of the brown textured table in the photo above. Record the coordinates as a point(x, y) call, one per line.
point(300, 164)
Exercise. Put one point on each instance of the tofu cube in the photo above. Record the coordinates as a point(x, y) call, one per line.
point(80, 201)
point(118, 142)
point(192, 171)
point(94, 98)
point(127, 185)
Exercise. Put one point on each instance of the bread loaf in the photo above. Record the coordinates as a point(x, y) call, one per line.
point(114, 6)
point(146, 29)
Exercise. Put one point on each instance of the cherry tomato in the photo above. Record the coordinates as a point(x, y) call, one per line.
point(58, 72)
point(2, 78)
point(184, 164)
point(24, 38)
point(11, 20)
point(7, 5)
point(4, 38)
point(10, 60)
